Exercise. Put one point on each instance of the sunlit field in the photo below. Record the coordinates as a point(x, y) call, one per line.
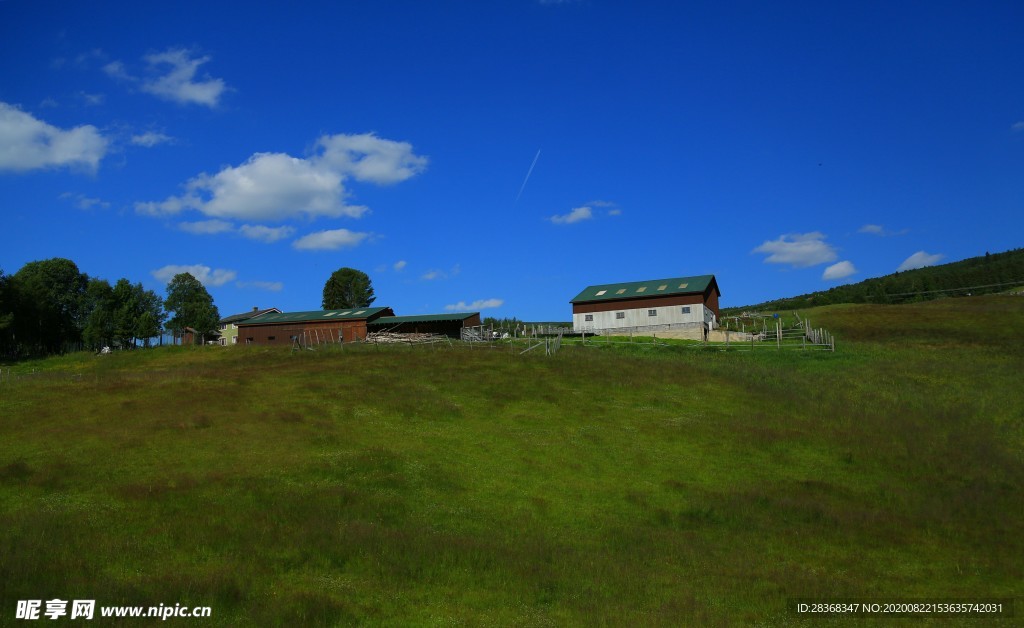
point(607, 484)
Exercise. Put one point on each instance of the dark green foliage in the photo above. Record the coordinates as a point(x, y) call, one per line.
point(347, 288)
point(48, 313)
point(6, 315)
point(975, 276)
point(192, 306)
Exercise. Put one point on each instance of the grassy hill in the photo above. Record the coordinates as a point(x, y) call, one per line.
point(632, 485)
point(986, 274)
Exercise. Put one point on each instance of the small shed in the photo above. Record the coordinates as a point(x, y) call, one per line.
point(450, 325)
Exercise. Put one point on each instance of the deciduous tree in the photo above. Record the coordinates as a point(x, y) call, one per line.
point(347, 288)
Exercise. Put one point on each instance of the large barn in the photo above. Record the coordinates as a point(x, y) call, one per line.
point(680, 302)
point(277, 328)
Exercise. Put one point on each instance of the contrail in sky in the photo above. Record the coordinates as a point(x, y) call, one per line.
point(528, 173)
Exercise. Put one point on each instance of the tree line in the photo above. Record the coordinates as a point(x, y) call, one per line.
point(984, 274)
point(50, 307)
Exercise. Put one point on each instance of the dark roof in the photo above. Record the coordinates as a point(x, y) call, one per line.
point(424, 318)
point(352, 313)
point(651, 288)
point(235, 318)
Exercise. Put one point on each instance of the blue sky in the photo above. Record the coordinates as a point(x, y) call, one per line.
point(501, 156)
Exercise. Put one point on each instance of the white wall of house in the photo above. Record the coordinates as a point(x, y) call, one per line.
point(644, 317)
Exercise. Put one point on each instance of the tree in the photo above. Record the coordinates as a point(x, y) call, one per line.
point(7, 345)
point(192, 306)
point(347, 288)
point(99, 323)
point(49, 317)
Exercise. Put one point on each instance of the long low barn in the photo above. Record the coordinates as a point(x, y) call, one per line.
point(450, 325)
point(675, 302)
point(314, 326)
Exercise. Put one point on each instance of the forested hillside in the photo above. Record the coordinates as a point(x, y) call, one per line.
point(973, 276)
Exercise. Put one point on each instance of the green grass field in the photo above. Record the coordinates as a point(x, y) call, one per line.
point(609, 485)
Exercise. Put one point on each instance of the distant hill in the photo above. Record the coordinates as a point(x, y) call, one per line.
point(984, 274)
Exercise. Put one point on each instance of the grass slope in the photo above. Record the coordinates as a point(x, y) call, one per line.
point(607, 485)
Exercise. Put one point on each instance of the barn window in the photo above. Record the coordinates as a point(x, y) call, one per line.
point(683, 285)
point(652, 312)
point(588, 317)
point(641, 289)
point(620, 291)
point(359, 312)
point(662, 286)
point(271, 337)
point(686, 310)
point(600, 292)
point(620, 315)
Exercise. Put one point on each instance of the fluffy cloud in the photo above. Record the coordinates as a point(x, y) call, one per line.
point(330, 240)
point(266, 234)
point(27, 143)
point(1017, 126)
point(839, 270)
point(576, 215)
point(177, 79)
point(150, 139)
point(481, 304)
point(367, 157)
point(920, 260)
point(799, 250)
point(399, 265)
point(278, 187)
point(206, 275)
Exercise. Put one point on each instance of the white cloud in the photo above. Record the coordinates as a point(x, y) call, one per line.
point(367, 157)
point(431, 275)
point(150, 139)
point(839, 270)
point(206, 227)
point(799, 250)
point(399, 265)
point(84, 202)
point(1017, 126)
point(206, 275)
point(277, 186)
point(481, 304)
point(179, 83)
point(272, 286)
point(920, 260)
point(879, 230)
point(92, 99)
point(330, 240)
point(266, 234)
point(117, 70)
point(27, 143)
point(576, 215)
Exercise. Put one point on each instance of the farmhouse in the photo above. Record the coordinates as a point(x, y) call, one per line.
point(680, 302)
point(277, 328)
point(229, 324)
point(450, 325)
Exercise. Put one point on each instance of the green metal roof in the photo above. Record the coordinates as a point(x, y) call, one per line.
point(237, 318)
point(357, 313)
point(642, 289)
point(423, 318)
